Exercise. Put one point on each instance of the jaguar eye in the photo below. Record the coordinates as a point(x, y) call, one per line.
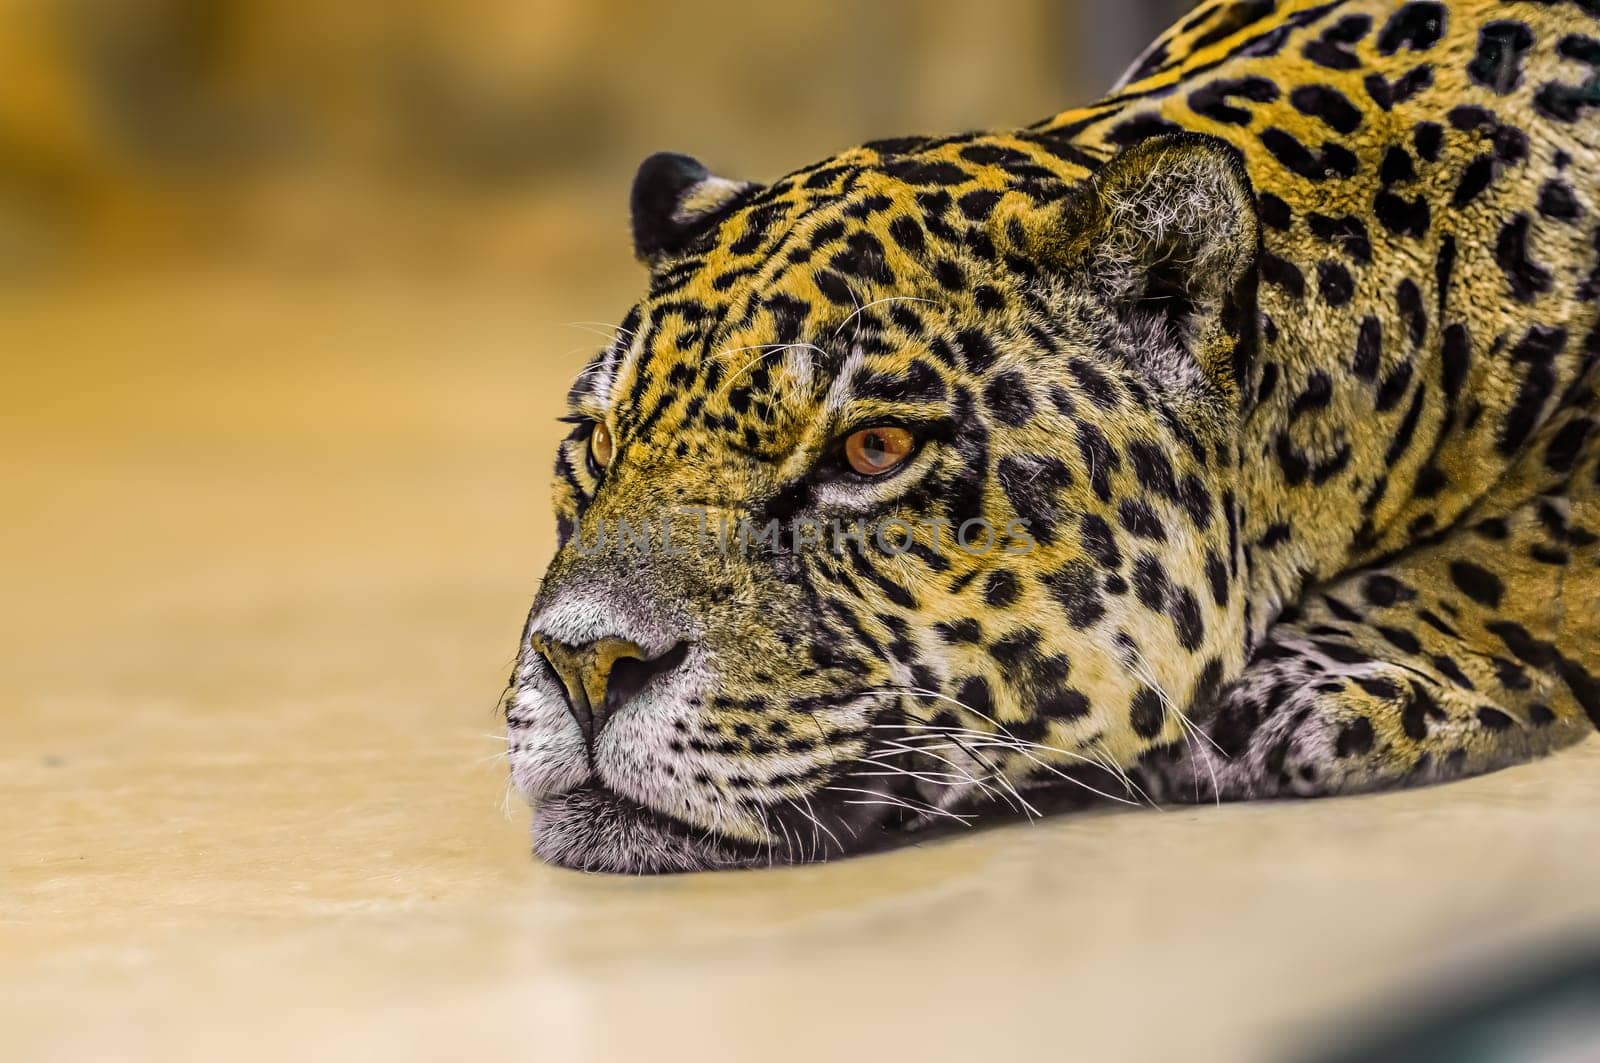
point(875, 451)
point(600, 449)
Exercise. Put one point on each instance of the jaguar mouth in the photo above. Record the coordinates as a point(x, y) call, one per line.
point(592, 829)
point(589, 826)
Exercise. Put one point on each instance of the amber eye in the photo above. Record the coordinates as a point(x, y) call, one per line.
point(874, 451)
point(600, 446)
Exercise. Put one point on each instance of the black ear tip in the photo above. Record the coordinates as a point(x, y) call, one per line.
point(658, 187)
point(660, 183)
point(675, 198)
point(669, 170)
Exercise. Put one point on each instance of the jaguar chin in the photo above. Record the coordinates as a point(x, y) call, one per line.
point(1270, 379)
point(596, 830)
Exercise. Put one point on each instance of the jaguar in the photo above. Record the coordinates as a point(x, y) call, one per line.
point(1282, 359)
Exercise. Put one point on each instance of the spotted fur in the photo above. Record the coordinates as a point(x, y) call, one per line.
point(1284, 352)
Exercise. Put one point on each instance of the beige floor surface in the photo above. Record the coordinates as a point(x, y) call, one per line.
point(266, 548)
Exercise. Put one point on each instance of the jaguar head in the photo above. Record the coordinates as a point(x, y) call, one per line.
point(903, 497)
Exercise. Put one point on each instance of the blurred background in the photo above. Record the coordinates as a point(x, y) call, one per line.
point(479, 134)
point(290, 292)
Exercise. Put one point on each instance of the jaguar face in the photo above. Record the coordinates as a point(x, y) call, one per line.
point(902, 495)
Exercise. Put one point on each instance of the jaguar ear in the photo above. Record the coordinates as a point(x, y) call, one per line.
point(676, 199)
point(1165, 234)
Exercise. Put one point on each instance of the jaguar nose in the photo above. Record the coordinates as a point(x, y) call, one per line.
point(602, 676)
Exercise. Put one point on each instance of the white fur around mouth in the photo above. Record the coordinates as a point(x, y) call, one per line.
point(591, 829)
